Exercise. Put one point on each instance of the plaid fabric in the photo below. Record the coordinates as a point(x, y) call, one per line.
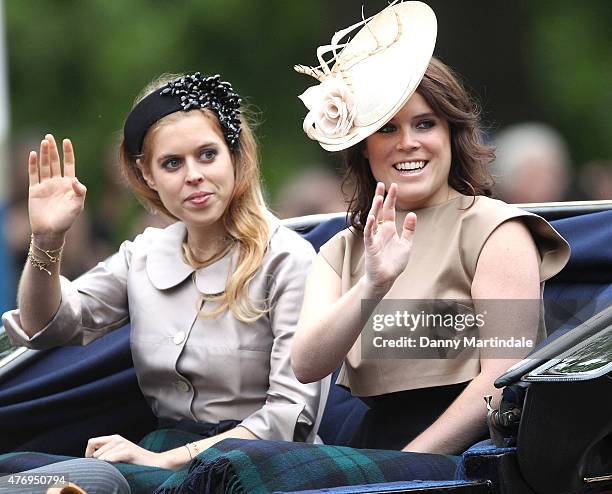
point(142, 479)
point(241, 466)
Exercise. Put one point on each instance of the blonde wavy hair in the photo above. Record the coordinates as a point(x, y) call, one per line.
point(244, 219)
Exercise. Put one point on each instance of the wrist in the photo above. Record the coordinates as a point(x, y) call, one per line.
point(372, 291)
point(49, 241)
point(173, 459)
point(42, 257)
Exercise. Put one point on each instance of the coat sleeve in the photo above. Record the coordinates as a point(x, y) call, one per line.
point(91, 306)
point(292, 410)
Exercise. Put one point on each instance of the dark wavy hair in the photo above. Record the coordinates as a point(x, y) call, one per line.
point(470, 156)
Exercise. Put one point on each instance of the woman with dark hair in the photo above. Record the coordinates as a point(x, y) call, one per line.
point(407, 127)
point(469, 173)
point(213, 299)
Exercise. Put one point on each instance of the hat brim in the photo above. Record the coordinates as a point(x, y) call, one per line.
point(383, 65)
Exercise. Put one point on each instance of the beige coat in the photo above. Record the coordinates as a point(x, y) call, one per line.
point(205, 370)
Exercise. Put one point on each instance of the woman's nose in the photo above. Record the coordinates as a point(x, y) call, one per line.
point(408, 140)
point(194, 173)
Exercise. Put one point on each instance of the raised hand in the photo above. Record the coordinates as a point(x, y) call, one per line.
point(55, 199)
point(386, 252)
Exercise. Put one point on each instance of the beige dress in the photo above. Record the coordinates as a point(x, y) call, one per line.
point(446, 247)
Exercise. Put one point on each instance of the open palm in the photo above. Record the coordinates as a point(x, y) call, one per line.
point(386, 252)
point(55, 200)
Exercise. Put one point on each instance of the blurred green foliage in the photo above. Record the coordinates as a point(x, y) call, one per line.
point(76, 65)
point(571, 71)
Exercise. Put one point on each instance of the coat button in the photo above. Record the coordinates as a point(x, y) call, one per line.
point(179, 337)
point(183, 386)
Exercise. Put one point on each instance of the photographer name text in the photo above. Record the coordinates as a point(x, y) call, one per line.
point(454, 343)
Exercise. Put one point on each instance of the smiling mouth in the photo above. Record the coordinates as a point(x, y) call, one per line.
point(410, 166)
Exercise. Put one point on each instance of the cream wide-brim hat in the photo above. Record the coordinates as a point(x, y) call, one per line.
point(373, 76)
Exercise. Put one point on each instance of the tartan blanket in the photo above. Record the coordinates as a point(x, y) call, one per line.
point(240, 466)
point(142, 479)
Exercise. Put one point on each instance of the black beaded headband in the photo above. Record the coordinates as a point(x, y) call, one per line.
point(189, 92)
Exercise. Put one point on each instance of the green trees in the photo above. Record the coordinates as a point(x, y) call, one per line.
point(76, 65)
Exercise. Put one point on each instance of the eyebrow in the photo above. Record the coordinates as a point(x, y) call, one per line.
point(425, 115)
point(209, 144)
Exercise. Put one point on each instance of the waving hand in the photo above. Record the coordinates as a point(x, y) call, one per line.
point(386, 252)
point(55, 199)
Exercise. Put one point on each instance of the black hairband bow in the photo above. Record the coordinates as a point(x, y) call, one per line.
point(187, 93)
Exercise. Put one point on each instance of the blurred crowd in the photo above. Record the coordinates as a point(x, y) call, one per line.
point(533, 164)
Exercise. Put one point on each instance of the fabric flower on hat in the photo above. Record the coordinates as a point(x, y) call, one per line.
point(331, 109)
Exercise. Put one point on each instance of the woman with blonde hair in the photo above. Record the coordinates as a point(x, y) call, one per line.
point(212, 299)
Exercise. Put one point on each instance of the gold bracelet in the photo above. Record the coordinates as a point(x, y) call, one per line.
point(53, 256)
point(40, 265)
point(195, 447)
